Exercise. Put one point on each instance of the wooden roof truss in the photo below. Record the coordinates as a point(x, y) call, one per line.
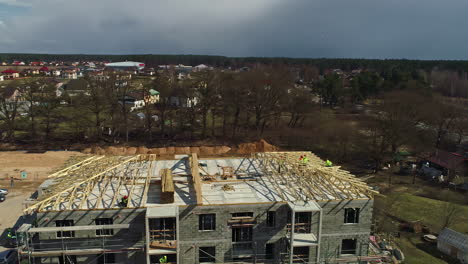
point(98, 182)
point(294, 179)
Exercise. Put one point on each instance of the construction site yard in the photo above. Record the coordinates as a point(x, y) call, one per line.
point(37, 167)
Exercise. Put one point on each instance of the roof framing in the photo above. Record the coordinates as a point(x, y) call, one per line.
point(294, 179)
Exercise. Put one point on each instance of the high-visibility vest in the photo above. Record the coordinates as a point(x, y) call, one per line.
point(163, 259)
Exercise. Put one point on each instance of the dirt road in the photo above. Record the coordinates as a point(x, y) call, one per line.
point(11, 212)
point(37, 166)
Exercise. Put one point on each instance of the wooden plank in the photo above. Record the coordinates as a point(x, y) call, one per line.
point(144, 197)
point(65, 170)
point(167, 187)
point(196, 178)
point(77, 228)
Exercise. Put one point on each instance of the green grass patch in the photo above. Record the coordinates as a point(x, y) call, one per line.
point(413, 254)
point(410, 207)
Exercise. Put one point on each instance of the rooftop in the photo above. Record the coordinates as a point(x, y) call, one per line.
point(100, 182)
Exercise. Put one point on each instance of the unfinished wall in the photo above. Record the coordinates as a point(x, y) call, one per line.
point(334, 230)
point(122, 239)
point(190, 238)
point(126, 257)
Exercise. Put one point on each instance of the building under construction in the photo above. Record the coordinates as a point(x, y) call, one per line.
point(272, 207)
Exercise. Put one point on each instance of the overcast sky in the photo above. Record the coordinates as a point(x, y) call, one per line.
point(414, 29)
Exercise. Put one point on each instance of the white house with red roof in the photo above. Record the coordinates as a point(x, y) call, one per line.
point(19, 63)
point(10, 74)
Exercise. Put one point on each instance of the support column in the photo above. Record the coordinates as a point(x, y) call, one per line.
point(147, 240)
point(177, 236)
point(319, 235)
point(291, 240)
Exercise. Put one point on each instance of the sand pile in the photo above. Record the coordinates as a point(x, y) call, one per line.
point(245, 148)
point(260, 146)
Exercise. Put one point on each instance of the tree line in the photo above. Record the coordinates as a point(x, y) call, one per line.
point(153, 60)
point(299, 108)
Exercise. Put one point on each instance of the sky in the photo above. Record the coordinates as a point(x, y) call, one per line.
point(412, 29)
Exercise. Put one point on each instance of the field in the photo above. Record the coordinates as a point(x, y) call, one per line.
point(422, 201)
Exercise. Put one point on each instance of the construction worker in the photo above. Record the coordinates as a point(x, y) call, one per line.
point(163, 259)
point(305, 160)
point(328, 163)
point(10, 234)
point(124, 200)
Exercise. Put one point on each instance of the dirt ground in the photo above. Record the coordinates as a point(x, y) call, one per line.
point(37, 166)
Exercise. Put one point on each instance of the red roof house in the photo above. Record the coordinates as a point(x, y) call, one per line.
point(10, 74)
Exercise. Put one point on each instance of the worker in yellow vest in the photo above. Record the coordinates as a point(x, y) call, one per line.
point(163, 259)
point(328, 163)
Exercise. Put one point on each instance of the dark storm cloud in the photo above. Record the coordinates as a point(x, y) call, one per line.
point(421, 29)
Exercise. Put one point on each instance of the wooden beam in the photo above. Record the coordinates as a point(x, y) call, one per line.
point(65, 170)
point(196, 178)
point(43, 203)
point(149, 175)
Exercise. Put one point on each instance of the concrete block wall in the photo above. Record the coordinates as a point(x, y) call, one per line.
point(121, 239)
point(125, 257)
point(190, 238)
point(334, 230)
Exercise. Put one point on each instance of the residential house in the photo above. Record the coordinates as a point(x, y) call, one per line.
point(30, 71)
point(201, 67)
point(183, 101)
point(56, 73)
point(148, 72)
point(37, 63)
point(18, 63)
point(453, 243)
point(449, 163)
point(139, 99)
point(11, 74)
point(70, 74)
point(45, 71)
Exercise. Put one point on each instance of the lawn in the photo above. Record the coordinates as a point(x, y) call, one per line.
point(410, 207)
point(413, 254)
point(405, 206)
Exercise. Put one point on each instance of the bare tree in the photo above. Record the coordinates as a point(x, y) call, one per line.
point(207, 87)
point(30, 92)
point(450, 214)
point(165, 84)
point(268, 88)
point(48, 105)
point(9, 109)
point(96, 103)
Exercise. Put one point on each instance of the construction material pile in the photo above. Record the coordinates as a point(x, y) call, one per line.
point(245, 148)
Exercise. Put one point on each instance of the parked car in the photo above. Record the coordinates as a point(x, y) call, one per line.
point(2, 198)
point(4, 191)
point(8, 257)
